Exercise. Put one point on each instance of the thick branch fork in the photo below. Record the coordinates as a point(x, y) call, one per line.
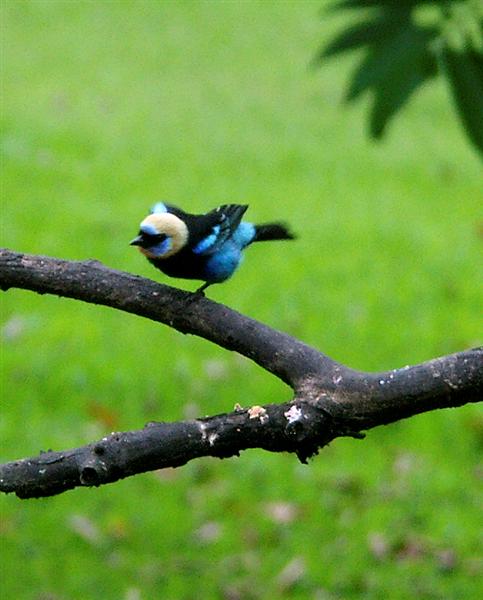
point(330, 399)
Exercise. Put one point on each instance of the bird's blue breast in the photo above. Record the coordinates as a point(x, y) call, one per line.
point(222, 264)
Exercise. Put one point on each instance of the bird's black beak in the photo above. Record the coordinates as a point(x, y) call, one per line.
point(137, 241)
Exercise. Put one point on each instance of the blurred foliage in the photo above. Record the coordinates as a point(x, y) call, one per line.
point(108, 107)
point(404, 42)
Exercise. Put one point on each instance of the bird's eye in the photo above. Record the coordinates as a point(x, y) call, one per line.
point(153, 238)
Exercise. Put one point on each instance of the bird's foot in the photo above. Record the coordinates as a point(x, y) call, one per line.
point(201, 290)
point(197, 294)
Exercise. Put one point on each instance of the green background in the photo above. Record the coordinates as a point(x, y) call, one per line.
point(108, 107)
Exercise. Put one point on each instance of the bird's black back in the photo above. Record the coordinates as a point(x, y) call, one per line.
point(200, 226)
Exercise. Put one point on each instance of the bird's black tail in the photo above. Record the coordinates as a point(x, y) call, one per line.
point(272, 231)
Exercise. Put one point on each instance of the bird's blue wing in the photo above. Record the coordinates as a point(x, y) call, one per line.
point(210, 242)
point(226, 219)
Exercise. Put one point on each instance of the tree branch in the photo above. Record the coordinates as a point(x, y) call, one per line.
point(92, 282)
point(330, 399)
point(275, 427)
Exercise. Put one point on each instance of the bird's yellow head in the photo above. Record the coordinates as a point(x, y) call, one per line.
point(161, 235)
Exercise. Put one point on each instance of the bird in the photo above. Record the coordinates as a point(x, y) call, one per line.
point(208, 247)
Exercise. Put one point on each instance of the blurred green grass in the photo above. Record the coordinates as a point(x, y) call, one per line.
point(108, 107)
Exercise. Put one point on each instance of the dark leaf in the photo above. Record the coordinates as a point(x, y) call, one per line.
point(408, 48)
point(400, 55)
point(392, 94)
point(383, 4)
point(361, 34)
point(464, 71)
